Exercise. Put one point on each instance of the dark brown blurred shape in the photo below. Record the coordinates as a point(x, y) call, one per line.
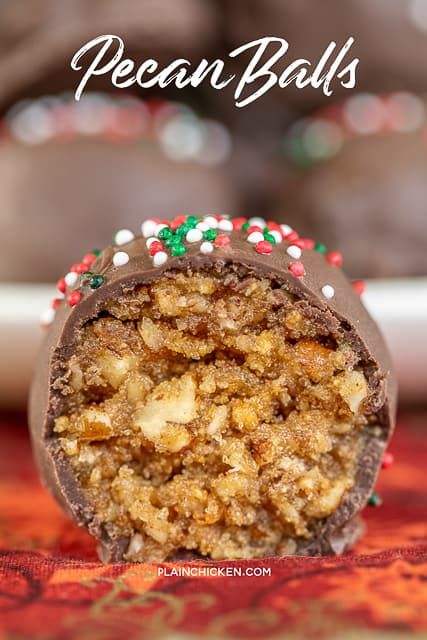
point(368, 201)
point(39, 37)
point(390, 39)
point(59, 200)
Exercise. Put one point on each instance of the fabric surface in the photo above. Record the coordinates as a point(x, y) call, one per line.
point(52, 585)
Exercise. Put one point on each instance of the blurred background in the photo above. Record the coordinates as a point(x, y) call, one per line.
point(349, 170)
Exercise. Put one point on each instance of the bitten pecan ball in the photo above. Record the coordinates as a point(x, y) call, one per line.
point(213, 386)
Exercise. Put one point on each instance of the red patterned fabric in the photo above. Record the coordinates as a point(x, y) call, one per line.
point(52, 586)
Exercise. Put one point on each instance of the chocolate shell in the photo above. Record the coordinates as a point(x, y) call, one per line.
point(324, 295)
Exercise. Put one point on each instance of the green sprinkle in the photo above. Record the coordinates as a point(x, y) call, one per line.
point(96, 281)
point(320, 247)
point(96, 252)
point(270, 238)
point(173, 240)
point(297, 152)
point(192, 221)
point(210, 235)
point(165, 233)
point(178, 250)
point(245, 226)
point(182, 230)
point(374, 500)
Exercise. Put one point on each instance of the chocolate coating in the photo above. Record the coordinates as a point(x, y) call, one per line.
point(343, 315)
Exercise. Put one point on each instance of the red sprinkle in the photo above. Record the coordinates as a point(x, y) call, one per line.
point(55, 303)
point(263, 246)
point(79, 267)
point(254, 227)
point(334, 258)
point(308, 243)
point(359, 286)
point(388, 460)
point(274, 226)
point(221, 240)
point(299, 242)
point(89, 259)
point(292, 237)
point(155, 247)
point(297, 268)
point(177, 222)
point(238, 223)
point(74, 298)
point(61, 285)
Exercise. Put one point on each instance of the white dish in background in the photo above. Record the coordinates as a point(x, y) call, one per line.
point(399, 306)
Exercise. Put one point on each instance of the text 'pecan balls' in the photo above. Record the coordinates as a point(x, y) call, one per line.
point(213, 386)
point(310, 27)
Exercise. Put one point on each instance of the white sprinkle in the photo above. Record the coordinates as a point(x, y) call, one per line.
point(328, 291)
point(159, 227)
point(418, 14)
point(120, 258)
point(150, 241)
point(294, 251)
point(255, 236)
point(365, 113)
point(206, 247)
point(148, 228)
point(211, 222)
point(225, 225)
point(71, 279)
point(194, 235)
point(123, 237)
point(276, 235)
point(407, 112)
point(160, 258)
point(46, 318)
point(286, 229)
point(202, 226)
point(321, 139)
point(257, 222)
point(181, 136)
